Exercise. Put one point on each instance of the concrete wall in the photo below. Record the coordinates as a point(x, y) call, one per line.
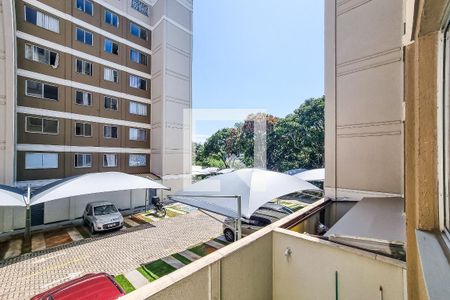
point(242, 270)
point(363, 94)
point(171, 90)
point(7, 91)
point(309, 273)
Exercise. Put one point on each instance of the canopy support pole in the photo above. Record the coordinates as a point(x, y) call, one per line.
point(27, 233)
point(239, 222)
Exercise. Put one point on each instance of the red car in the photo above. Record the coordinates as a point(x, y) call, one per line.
point(99, 286)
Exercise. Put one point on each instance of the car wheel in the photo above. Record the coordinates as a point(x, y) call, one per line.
point(92, 229)
point(229, 235)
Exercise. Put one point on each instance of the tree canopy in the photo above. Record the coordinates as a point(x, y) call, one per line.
point(295, 141)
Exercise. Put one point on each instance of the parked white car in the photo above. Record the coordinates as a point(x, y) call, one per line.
point(101, 216)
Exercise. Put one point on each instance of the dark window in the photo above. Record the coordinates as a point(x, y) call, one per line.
point(111, 103)
point(50, 92)
point(111, 47)
point(138, 31)
point(86, 6)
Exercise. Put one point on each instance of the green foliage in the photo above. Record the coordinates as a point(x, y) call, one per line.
point(296, 141)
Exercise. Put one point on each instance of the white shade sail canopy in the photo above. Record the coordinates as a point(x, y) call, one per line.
point(10, 196)
point(92, 184)
point(312, 175)
point(255, 186)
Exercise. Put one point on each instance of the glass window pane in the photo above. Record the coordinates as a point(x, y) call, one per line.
point(107, 46)
point(80, 35)
point(30, 15)
point(34, 88)
point(50, 126)
point(34, 124)
point(78, 129)
point(33, 161)
point(87, 129)
point(88, 38)
point(50, 92)
point(50, 160)
point(134, 29)
point(88, 7)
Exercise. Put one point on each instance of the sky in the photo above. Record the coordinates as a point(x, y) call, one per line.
point(258, 55)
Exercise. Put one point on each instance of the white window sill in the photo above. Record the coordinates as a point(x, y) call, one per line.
point(435, 264)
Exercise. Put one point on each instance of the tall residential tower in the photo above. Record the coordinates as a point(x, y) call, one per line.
point(94, 86)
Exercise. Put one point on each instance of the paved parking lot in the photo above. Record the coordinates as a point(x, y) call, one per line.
point(27, 275)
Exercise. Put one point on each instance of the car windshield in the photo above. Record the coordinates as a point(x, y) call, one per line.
point(104, 210)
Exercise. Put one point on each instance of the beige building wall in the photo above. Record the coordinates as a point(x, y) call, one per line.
point(171, 91)
point(363, 94)
point(7, 91)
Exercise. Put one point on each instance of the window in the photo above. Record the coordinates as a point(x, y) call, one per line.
point(110, 132)
point(138, 108)
point(111, 75)
point(83, 67)
point(137, 160)
point(138, 31)
point(137, 134)
point(111, 103)
point(84, 36)
point(41, 161)
point(110, 47)
point(83, 98)
point(41, 125)
point(41, 55)
point(42, 20)
point(110, 160)
point(83, 160)
point(83, 129)
point(111, 18)
point(140, 7)
point(41, 90)
point(138, 82)
point(138, 57)
point(85, 6)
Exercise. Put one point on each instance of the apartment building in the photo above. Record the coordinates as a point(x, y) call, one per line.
point(94, 86)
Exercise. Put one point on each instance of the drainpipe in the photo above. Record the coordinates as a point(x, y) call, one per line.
point(239, 223)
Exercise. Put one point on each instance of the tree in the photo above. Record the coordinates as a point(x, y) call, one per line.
point(296, 141)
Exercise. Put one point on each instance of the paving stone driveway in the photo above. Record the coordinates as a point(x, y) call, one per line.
point(27, 275)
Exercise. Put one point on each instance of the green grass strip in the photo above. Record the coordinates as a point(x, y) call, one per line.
point(181, 258)
point(199, 250)
point(146, 274)
point(158, 268)
point(124, 283)
point(170, 213)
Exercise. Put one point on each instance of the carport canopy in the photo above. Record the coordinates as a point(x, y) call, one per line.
point(255, 187)
point(93, 183)
point(312, 175)
point(10, 196)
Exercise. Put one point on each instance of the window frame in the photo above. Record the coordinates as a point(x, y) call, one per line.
point(113, 70)
point(43, 90)
point(137, 166)
point(84, 155)
point(42, 154)
point(84, 129)
point(112, 98)
point(444, 136)
point(42, 125)
point(140, 80)
point(84, 36)
point(143, 59)
point(84, 92)
point(137, 103)
point(112, 18)
point(141, 29)
point(111, 137)
point(83, 68)
point(46, 14)
point(117, 160)
point(33, 47)
point(84, 7)
point(138, 129)
point(105, 40)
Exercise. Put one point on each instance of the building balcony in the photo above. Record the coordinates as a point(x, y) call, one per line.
point(277, 262)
